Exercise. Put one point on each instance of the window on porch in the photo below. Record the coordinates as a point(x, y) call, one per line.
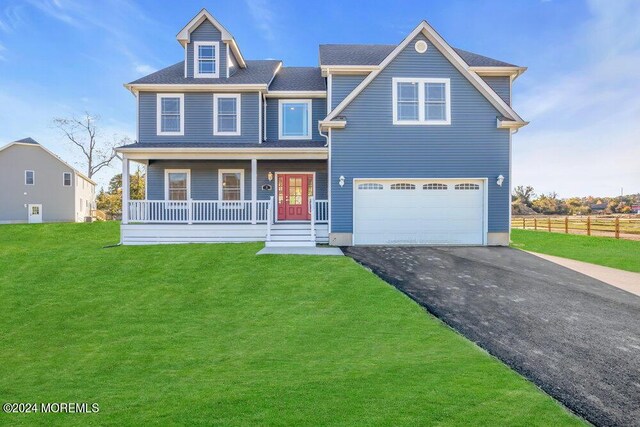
point(177, 184)
point(231, 184)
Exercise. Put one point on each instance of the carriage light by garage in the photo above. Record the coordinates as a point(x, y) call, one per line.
point(500, 180)
point(341, 180)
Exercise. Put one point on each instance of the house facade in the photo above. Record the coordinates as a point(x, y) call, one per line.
point(379, 144)
point(38, 186)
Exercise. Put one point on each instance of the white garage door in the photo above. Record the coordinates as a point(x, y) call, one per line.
point(419, 212)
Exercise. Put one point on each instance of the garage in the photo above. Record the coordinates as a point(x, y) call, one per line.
point(419, 212)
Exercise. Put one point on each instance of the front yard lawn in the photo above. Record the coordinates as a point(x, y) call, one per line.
point(622, 254)
point(204, 334)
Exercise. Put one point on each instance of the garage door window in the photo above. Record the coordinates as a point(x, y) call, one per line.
point(434, 186)
point(467, 186)
point(403, 186)
point(370, 186)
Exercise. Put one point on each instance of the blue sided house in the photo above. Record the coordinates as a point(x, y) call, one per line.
point(400, 144)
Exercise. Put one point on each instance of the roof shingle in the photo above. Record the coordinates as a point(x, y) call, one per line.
point(374, 54)
point(298, 78)
point(257, 72)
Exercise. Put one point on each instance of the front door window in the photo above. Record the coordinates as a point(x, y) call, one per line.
point(294, 191)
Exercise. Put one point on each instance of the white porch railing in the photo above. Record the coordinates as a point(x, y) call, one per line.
point(213, 211)
point(196, 211)
point(322, 211)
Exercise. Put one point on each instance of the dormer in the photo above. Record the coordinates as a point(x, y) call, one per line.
point(211, 52)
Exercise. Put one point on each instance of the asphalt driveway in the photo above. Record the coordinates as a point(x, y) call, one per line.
point(575, 337)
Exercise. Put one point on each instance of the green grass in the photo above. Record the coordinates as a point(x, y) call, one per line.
point(202, 334)
point(622, 254)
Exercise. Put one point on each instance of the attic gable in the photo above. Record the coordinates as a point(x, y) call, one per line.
point(436, 41)
point(184, 36)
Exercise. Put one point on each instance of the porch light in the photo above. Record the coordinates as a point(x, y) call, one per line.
point(270, 176)
point(500, 180)
point(341, 180)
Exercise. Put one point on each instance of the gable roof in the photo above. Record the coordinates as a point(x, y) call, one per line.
point(184, 36)
point(512, 118)
point(256, 72)
point(298, 79)
point(31, 141)
point(374, 54)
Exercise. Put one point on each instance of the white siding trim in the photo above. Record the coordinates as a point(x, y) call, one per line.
point(238, 98)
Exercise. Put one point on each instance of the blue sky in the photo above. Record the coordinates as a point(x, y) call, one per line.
point(61, 57)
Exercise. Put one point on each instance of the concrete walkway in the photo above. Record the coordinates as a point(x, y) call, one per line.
point(300, 250)
point(625, 280)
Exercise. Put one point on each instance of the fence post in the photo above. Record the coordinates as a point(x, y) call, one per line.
point(535, 224)
point(566, 225)
point(617, 228)
point(549, 225)
point(588, 226)
point(524, 222)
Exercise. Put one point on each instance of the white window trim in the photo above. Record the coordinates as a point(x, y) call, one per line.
point(196, 55)
point(166, 182)
point(220, 172)
point(238, 98)
point(421, 100)
point(70, 179)
point(309, 119)
point(25, 177)
point(159, 98)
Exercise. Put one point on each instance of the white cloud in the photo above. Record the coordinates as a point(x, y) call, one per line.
point(584, 136)
point(264, 18)
point(144, 69)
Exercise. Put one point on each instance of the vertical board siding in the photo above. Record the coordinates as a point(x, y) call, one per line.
point(318, 112)
point(341, 86)
point(372, 147)
point(198, 119)
point(204, 176)
point(501, 86)
point(206, 32)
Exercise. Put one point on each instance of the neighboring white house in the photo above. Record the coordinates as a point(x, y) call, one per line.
point(38, 186)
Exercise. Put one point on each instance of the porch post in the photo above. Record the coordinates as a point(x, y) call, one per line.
point(254, 190)
point(125, 189)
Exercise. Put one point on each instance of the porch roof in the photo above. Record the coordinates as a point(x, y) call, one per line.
point(193, 151)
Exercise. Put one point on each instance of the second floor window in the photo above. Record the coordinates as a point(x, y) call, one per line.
point(294, 118)
point(29, 178)
point(66, 179)
point(206, 62)
point(226, 114)
point(170, 114)
point(421, 101)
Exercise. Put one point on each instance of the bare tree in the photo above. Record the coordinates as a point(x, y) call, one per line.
point(83, 133)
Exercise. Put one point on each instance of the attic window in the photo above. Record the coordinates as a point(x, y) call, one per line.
point(206, 59)
point(421, 46)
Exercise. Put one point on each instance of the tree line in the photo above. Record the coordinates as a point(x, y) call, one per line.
point(525, 201)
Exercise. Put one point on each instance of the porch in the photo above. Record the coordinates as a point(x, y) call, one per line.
point(283, 202)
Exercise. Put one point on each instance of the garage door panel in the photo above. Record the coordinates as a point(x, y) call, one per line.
point(420, 216)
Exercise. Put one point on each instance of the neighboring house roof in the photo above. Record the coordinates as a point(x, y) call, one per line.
point(513, 119)
point(298, 79)
point(598, 206)
point(257, 72)
point(374, 54)
point(31, 141)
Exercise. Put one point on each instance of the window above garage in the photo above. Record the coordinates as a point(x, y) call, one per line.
point(421, 101)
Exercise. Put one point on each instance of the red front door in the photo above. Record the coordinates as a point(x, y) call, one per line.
point(294, 190)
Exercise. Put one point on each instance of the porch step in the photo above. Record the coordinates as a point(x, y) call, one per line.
point(291, 234)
